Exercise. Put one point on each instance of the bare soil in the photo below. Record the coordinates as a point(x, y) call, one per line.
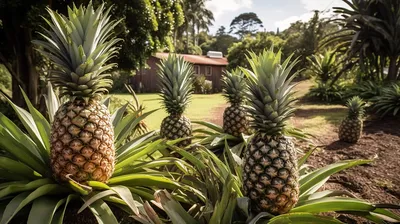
point(376, 182)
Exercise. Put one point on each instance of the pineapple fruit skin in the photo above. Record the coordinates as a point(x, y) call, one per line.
point(235, 121)
point(270, 174)
point(350, 130)
point(174, 127)
point(82, 142)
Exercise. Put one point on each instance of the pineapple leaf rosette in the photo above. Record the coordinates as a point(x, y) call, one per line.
point(176, 78)
point(79, 156)
point(270, 177)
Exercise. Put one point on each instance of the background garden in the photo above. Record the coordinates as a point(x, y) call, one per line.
point(352, 52)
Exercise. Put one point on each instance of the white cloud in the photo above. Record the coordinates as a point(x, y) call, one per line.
point(284, 24)
point(310, 5)
point(219, 7)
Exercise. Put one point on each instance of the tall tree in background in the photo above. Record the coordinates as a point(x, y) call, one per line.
point(197, 18)
point(245, 23)
point(222, 41)
point(147, 26)
point(371, 35)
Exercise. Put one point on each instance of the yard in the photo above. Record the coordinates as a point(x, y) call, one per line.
point(377, 182)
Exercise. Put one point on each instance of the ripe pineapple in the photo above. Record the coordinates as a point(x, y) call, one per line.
point(233, 88)
point(82, 137)
point(176, 81)
point(270, 175)
point(351, 127)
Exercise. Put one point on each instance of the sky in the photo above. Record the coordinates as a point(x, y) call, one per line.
point(273, 13)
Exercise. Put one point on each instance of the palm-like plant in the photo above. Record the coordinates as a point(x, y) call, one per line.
point(370, 33)
point(324, 66)
point(389, 100)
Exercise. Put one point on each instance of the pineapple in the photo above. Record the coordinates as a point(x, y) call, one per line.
point(233, 88)
point(270, 174)
point(82, 137)
point(176, 81)
point(351, 127)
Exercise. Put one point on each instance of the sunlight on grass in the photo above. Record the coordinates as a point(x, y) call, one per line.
point(318, 119)
point(199, 109)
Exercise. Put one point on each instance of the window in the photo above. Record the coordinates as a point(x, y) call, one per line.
point(197, 69)
point(208, 71)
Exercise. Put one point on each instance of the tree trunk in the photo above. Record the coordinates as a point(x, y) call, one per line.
point(21, 63)
point(393, 69)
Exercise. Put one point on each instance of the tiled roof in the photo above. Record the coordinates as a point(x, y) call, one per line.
point(197, 59)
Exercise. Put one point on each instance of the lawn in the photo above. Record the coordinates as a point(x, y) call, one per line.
point(315, 119)
point(199, 109)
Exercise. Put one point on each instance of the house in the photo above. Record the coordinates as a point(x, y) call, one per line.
point(212, 66)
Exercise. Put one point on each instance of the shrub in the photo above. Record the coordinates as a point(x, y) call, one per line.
point(388, 101)
point(208, 87)
point(365, 90)
point(326, 92)
point(199, 83)
point(202, 85)
point(120, 78)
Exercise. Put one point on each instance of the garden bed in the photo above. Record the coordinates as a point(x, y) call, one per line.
point(376, 182)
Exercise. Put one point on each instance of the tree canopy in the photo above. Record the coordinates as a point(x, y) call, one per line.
point(146, 27)
point(245, 23)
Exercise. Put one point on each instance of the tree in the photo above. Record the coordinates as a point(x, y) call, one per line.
point(370, 35)
point(222, 41)
point(238, 52)
point(146, 27)
point(197, 17)
point(245, 23)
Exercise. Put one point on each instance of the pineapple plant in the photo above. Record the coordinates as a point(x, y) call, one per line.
point(82, 137)
point(235, 120)
point(270, 174)
point(176, 87)
point(351, 127)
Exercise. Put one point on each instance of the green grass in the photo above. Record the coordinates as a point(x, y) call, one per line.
point(314, 118)
point(200, 107)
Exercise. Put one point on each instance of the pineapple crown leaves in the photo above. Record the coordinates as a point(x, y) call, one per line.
point(234, 86)
point(356, 107)
point(176, 77)
point(80, 46)
point(270, 91)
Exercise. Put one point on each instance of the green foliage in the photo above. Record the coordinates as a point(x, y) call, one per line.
point(220, 42)
point(176, 77)
point(389, 101)
point(327, 93)
point(356, 107)
point(368, 36)
point(365, 90)
point(224, 203)
point(194, 49)
point(324, 66)
point(79, 46)
point(120, 79)
point(245, 24)
point(202, 85)
point(156, 19)
point(27, 180)
point(238, 52)
point(5, 79)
